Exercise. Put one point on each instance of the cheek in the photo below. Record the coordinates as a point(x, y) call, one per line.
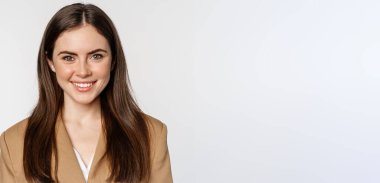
point(103, 70)
point(63, 72)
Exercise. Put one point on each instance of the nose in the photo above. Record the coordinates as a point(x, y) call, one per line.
point(83, 69)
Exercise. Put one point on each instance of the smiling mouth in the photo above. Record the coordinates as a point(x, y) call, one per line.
point(83, 86)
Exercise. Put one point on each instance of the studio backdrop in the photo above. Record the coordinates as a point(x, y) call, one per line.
point(252, 91)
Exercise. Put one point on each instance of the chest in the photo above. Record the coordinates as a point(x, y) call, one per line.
point(84, 141)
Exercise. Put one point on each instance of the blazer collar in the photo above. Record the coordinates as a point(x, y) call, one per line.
point(68, 166)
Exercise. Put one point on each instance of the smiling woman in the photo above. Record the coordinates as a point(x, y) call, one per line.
point(86, 126)
point(81, 60)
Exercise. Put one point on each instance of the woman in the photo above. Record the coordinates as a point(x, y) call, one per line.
point(86, 126)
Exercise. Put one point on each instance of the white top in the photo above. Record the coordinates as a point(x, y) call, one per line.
point(85, 170)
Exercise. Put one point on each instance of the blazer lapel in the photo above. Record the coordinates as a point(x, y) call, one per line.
point(68, 165)
point(99, 170)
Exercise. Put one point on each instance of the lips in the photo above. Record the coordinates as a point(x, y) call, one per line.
point(84, 86)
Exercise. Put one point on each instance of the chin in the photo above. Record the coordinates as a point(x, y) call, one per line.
point(85, 101)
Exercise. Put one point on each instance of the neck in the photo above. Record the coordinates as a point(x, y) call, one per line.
point(81, 114)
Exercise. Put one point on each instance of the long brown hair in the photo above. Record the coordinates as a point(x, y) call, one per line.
point(127, 135)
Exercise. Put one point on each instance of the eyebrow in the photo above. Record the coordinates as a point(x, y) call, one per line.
point(91, 52)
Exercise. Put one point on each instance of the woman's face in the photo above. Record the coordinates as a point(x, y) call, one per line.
point(82, 63)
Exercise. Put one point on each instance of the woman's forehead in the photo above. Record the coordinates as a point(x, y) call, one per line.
point(81, 39)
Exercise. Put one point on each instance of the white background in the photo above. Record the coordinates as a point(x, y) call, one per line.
point(266, 91)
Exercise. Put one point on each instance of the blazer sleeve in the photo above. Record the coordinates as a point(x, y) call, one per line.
point(161, 170)
point(6, 168)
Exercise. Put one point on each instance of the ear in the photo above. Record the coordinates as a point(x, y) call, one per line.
point(51, 64)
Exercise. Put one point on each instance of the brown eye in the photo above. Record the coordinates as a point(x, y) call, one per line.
point(97, 56)
point(68, 58)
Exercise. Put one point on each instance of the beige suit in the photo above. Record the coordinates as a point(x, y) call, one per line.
point(11, 156)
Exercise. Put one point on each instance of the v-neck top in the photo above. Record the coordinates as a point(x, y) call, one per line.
point(85, 170)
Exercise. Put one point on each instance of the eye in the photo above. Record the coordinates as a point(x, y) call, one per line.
point(97, 56)
point(68, 58)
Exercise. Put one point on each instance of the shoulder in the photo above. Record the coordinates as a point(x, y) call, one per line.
point(12, 145)
point(155, 126)
point(161, 169)
point(15, 134)
point(158, 133)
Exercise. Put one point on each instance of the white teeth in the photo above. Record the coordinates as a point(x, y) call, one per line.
point(83, 85)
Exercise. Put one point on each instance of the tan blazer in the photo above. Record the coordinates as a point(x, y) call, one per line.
point(11, 156)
